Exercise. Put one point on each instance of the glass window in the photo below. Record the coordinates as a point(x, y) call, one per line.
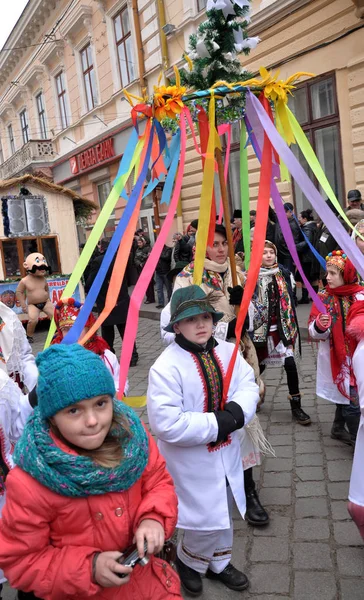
point(50, 251)
point(89, 78)
point(315, 107)
point(11, 138)
point(103, 191)
point(11, 260)
point(24, 126)
point(41, 116)
point(62, 105)
point(30, 245)
point(124, 47)
point(201, 5)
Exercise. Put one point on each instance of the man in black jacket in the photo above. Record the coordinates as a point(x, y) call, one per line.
point(284, 257)
point(161, 272)
point(119, 314)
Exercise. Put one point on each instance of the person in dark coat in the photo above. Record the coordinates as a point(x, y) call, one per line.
point(284, 256)
point(140, 258)
point(119, 314)
point(162, 269)
point(310, 265)
point(182, 249)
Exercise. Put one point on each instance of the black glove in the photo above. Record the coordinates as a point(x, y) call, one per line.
point(228, 420)
point(33, 398)
point(232, 325)
point(236, 295)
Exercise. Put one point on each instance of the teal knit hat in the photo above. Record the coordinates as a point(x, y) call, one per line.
point(68, 374)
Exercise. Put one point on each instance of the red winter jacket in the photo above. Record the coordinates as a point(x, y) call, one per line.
point(47, 541)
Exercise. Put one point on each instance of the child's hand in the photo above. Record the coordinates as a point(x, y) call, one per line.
point(106, 568)
point(153, 533)
point(323, 321)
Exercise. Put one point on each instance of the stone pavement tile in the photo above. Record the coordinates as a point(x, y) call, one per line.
point(310, 473)
point(269, 550)
point(308, 447)
point(338, 491)
point(352, 589)
point(329, 442)
point(278, 464)
point(310, 488)
point(280, 440)
point(314, 585)
point(278, 527)
point(311, 529)
point(277, 480)
point(307, 435)
point(309, 460)
point(346, 534)
point(281, 429)
point(325, 417)
point(339, 470)
point(269, 579)
point(339, 510)
point(283, 451)
point(281, 416)
point(308, 555)
point(311, 507)
point(339, 452)
point(351, 562)
point(275, 496)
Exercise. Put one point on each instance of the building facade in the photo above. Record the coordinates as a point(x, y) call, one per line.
point(63, 113)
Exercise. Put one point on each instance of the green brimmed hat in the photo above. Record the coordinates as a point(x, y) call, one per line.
point(189, 302)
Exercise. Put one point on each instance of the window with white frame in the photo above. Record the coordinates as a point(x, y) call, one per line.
point(201, 5)
point(89, 77)
point(1, 153)
point(24, 126)
point(103, 191)
point(41, 116)
point(124, 46)
point(62, 101)
point(11, 138)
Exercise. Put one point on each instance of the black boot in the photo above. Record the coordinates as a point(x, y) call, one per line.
point(305, 298)
point(297, 413)
point(190, 579)
point(255, 513)
point(231, 577)
point(352, 423)
point(338, 429)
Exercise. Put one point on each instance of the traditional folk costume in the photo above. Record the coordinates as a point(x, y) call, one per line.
point(217, 278)
point(18, 372)
point(277, 331)
point(65, 314)
point(335, 377)
point(201, 448)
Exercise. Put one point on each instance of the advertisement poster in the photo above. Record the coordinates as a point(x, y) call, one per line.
point(56, 287)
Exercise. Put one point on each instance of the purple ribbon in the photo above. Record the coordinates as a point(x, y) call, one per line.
point(312, 194)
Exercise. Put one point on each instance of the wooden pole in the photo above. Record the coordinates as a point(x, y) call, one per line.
point(225, 203)
point(157, 221)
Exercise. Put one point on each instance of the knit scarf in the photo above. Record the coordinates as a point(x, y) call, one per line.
point(78, 476)
point(287, 319)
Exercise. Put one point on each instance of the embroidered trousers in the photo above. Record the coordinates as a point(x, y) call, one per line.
point(202, 550)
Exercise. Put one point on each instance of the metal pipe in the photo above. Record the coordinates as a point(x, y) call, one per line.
point(139, 42)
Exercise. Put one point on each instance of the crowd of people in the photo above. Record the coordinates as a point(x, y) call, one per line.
point(87, 487)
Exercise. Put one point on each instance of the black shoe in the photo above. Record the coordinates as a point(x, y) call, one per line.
point(298, 414)
point(133, 362)
point(190, 579)
point(160, 306)
point(255, 513)
point(147, 302)
point(231, 577)
point(338, 432)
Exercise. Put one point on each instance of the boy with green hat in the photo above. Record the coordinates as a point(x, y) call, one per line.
point(198, 436)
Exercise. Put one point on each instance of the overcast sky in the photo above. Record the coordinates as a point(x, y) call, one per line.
point(9, 17)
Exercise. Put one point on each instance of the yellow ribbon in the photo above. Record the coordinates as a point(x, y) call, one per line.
point(206, 195)
point(285, 176)
point(135, 401)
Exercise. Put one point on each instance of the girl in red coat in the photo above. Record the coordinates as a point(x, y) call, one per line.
point(89, 482)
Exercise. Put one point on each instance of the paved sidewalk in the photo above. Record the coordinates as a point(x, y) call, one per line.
point(311, 549)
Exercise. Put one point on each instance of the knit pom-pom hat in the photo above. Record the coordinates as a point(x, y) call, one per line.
point(68, 374)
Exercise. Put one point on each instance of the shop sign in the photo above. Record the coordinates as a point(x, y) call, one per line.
point(56, 286)
point(93, 156)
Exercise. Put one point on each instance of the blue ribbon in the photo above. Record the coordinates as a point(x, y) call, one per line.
point(75, 332)
point(175, 154)
point(318, 256)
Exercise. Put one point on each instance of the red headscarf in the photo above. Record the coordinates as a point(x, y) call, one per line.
point(340, 350)
point(66, 312)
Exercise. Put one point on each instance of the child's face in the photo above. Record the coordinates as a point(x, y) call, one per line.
point(197, 329)
point(334, 277)
point(269, 257)
point(86, 423)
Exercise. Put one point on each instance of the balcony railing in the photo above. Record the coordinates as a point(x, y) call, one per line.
point(35, 151)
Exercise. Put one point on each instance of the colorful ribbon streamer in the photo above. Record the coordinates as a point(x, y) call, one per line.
point(203, 123)
point(149, 268)
point(76, 330)
point(222, 129)
point(206, 196)
point(244, 194)
point(312, 194)
point(132, 152)
point(256, 256)
point(318, 256)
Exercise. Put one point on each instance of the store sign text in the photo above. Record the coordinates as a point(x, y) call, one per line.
point(93, 156)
